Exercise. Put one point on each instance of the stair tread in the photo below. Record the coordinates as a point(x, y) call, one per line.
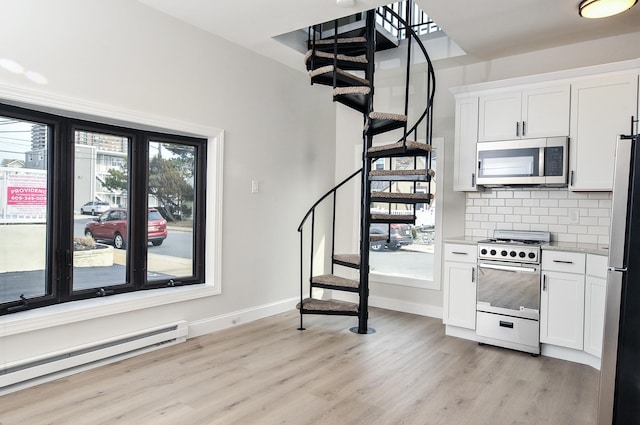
point(335, 281)
point(393, 218)
point(395, 195)
point(337, 306)
point(342, 40)
point(324, 75)
point(328, 58)
point(408, 147)
point(409, 172)
point(382, 122)
point(351, 259)
point(355, 97)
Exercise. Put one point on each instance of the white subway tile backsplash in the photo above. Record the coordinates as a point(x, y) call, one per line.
point(550, 210)
point(568, 203)
point(599, 212)
point(558, 194)
point(550, 203)
point(588, 239)
point(539, 211)
point(488, 210)
point(559, 211)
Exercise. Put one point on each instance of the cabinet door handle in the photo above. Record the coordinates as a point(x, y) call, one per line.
point(459, 252)
point(523, 128)
point(544, 282)
point(473, 179)
point(571, 179)
point(473, 274)
point(518, 129)
point(563, 261)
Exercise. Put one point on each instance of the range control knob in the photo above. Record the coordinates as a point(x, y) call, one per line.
point(483, 251)
point(503, 253)
point(512, 253)
point(492, 252)
point(522, 254)
point(532, 255)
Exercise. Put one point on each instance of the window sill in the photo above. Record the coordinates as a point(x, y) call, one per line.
point(404, 281)
point(76, 311)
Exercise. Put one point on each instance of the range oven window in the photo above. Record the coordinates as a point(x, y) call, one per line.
point(508, 289)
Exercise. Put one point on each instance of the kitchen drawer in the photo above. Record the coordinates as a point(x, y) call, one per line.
point(461, 253)
point(597, 265)
point(560, 261)
point(507, 331)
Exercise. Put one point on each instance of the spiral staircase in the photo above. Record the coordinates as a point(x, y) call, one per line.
point(345, 61)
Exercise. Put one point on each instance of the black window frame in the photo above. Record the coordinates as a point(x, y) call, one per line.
point(60, 208)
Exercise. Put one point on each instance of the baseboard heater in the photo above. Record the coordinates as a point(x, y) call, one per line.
point(54, 365)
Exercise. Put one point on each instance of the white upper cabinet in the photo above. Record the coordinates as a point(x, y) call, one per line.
point(601, 109)
point(466, 136)
point(523, 114)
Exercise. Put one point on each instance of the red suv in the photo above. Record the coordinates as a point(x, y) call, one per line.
point(112, 226)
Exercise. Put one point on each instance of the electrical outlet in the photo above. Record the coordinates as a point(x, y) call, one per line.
point(255, 186)
point(574, 215)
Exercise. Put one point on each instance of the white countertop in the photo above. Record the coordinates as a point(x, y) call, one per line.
point(587, 248)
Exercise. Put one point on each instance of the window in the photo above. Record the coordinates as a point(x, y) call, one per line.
point(408, 255)
point(82, 224)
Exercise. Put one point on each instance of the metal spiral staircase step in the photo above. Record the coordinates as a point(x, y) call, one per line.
point(337, 307)
point(347, 260)
point(324, 76)
point(331, 281)
point(401, 198)
point(381, 122)
point(352, 46)
point(421, 175)
point(317, 59)
point(355, 97)
point(393, 218)
point(401, 148)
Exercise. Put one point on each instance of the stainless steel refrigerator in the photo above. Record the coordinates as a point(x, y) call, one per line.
point(619, 395)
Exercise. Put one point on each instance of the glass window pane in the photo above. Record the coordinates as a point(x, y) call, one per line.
point(171, 210)
point(100, 191)
point(23, 209)
point(404, 250)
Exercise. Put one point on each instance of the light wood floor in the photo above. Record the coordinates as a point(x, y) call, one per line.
point(267, 372)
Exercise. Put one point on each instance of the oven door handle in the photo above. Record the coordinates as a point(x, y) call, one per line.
point(508, 268)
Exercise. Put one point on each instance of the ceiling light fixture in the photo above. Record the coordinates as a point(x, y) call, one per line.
point(603, 8)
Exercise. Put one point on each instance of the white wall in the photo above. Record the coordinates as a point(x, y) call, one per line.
point(277, 129)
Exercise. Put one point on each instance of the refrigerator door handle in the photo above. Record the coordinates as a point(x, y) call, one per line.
point(620, 198)
point(617, 269)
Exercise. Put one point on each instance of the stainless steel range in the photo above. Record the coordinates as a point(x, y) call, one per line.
point(508, 291)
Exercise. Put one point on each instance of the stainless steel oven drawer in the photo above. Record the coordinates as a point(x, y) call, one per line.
point(510, 332)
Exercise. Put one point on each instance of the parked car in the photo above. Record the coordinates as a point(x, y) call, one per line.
point(95, 207)
point(111, 226)
point(399, 235)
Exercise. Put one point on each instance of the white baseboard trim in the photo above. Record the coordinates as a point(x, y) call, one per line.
point(406, 306)
point(394, 305)
point(227, 320)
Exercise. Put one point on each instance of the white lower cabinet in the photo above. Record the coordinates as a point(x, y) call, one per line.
point(594, 303)
point(460, 285)
point(562, 299)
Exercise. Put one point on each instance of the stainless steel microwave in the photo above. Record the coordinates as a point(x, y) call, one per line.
point(533, 162)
